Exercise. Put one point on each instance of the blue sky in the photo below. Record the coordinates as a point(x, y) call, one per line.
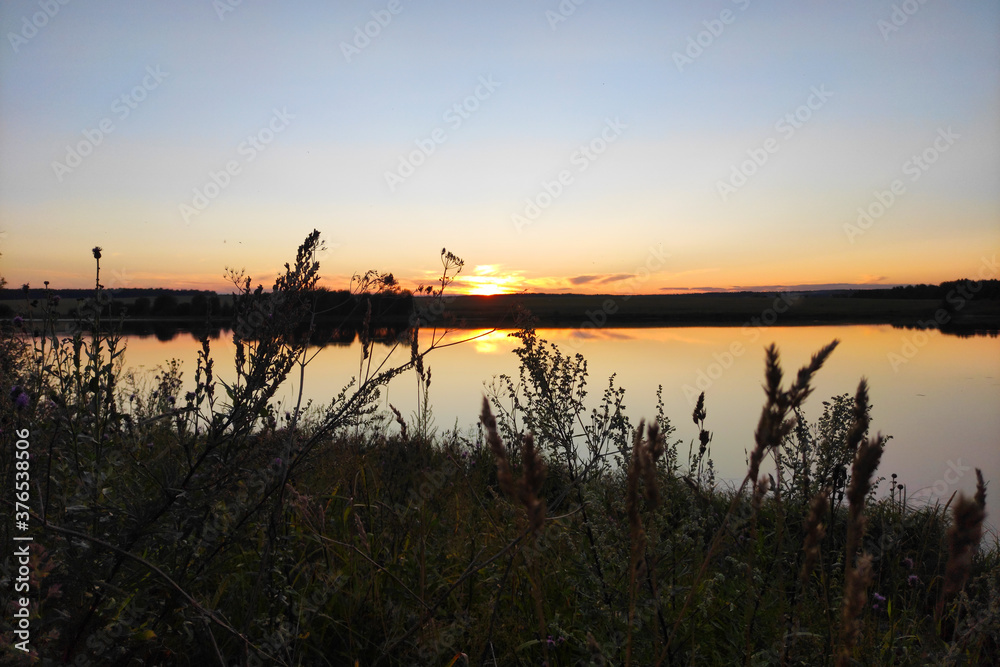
point(333, 115)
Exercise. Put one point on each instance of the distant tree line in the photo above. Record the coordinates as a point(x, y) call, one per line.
point(86, 293)
point(982, 289)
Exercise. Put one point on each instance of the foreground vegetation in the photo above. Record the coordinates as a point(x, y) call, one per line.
point(206, 527)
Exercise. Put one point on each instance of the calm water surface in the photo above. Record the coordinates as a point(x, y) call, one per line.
point(936, 395)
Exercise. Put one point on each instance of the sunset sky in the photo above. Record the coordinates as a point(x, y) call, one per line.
point(574, 146)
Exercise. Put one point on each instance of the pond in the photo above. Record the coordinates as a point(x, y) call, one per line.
point(937, 395)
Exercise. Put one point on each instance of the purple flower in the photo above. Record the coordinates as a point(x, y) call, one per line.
point(908, 562)
point(879, 601)
point(15, 391)
point(21, 401)
point(18, 320)
point(913, 580)
point(276, 462)
point(550, 641)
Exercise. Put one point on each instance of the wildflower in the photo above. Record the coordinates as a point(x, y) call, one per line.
point(21, 401)
point(15, 391)
point(97, 252)
point(550, 641)
point(276, 462)
point(18, 321)
point(189, 397)
point(879, 601)
point(913, 580)
point(908, 562)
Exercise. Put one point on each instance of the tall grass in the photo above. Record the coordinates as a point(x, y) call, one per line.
point(209, 528)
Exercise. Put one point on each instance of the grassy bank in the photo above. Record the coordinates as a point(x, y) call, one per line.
point(208, 528)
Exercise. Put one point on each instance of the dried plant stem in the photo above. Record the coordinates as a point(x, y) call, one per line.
point(963, 539)
point(770, 433)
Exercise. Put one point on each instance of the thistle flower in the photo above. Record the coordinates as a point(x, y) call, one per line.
point(21, 401)
point(913, 580)
point(18, 321)
point(97, 251)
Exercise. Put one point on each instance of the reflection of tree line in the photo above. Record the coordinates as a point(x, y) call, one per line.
point(341, 317)
point(960, 330)
point(344, 335)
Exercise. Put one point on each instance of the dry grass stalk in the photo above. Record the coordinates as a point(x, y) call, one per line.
point(632, 488)
point(963, 539)
point(362, 533)
point(857, 579)
point(855, 587)
point(642, 466)
point(861, 421)
point(528, 489)
point(770, 433)
point(815, 532)
point(699, 416)
point(866, 460)
point(596, 654)
point(760, 490)
point(980, 490)
point(531, 483)
point(399, 420)
point(504, 475)
point(774, 424)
